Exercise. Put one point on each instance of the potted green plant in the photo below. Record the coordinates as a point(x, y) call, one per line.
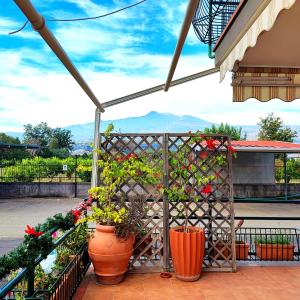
point(274, 247)
point(190, 179)
point(241, 247)
point(111, 245)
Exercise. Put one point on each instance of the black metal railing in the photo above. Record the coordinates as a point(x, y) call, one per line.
point(33, 283)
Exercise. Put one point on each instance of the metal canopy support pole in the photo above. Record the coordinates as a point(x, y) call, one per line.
point(285, 176)
point(97, 141)
point(190, 12)
point(38, 24)
point(160, 87)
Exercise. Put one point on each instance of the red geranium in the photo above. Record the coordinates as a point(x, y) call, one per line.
point(76, 214)
point(231, 150)
point(31, 231)
point(211, 144)
point(182, 167)
point(203, 155)
point(206, 189)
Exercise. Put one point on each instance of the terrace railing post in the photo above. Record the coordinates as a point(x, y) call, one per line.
point(166, 240)
point(30, 282)
point(75, 179)
point(285, 176)
point(95, 179)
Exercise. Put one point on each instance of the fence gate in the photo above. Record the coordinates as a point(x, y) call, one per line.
point(213, 211)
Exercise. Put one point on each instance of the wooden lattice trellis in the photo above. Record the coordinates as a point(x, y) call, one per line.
point(213, 211)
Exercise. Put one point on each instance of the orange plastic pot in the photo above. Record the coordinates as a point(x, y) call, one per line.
point(275, 252)
point(187, 250)
point(109, 255)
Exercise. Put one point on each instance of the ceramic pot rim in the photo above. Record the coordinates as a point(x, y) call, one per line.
point(105, 228)
point(178, 229)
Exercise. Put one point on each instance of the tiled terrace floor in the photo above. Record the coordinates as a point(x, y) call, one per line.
point(251, 283)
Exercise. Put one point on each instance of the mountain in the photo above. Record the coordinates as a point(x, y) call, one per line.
point(152, 122)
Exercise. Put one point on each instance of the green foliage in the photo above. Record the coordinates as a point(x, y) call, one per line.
point(65, 252)
point(33, 246)
point(115, 172)
point(39, 134)
point(190, 175)
point(29, 170)
point(292, 166)
point(57, 141)
point(273, 129)
point(274, 239)
point(235, 133)
point(12, 153)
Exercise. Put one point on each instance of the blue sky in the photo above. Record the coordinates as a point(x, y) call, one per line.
point(117, 55)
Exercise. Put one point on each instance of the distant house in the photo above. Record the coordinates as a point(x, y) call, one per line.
point(255, 162)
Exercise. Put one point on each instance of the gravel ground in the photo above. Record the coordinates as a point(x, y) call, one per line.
point(15, 214)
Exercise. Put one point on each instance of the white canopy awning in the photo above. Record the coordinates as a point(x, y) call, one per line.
point(264, 22)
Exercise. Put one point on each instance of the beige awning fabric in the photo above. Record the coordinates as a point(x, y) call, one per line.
point(264, 22)
point(265, 84)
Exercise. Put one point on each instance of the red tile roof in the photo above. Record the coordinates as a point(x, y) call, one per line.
point(265, 144)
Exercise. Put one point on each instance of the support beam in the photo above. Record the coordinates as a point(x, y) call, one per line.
point(38, 24)
point(97, 142)
point(159, 87)
point(190, 12)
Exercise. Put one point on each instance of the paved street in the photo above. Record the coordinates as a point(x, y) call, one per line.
point(15, 214)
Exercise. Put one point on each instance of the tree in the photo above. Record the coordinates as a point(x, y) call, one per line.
point(61, 138)
point(12, 153)
point(56, 142)
point(273, 129)
point(234, 132)
point(39, 134)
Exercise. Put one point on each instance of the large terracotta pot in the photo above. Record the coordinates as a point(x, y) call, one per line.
point(275, 251)
point(187, 250)
point(109, 255)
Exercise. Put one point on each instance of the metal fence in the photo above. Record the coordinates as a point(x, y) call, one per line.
point(39, 173)
point(26, 284)
point(287, 168)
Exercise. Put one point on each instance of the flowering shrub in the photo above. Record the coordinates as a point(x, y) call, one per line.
point(115, 173)
point(190, 177)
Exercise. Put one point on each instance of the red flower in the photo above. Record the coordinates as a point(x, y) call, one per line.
point(76, 214)
point(182, 167)
point(189, 167)
point(211, 144)
point(159, 186)
point(231, 150)
point(203, 155)
point(206, 189)
point(31, 231)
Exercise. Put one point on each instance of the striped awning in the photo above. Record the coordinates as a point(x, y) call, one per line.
point(264, 22)
point(265, 84)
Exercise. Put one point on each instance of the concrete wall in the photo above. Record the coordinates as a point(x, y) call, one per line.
point(250, 168)
point(44, 189)
point(22, 190)
point(264, 190)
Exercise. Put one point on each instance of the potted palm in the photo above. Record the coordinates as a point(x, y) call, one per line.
point(117, 219)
